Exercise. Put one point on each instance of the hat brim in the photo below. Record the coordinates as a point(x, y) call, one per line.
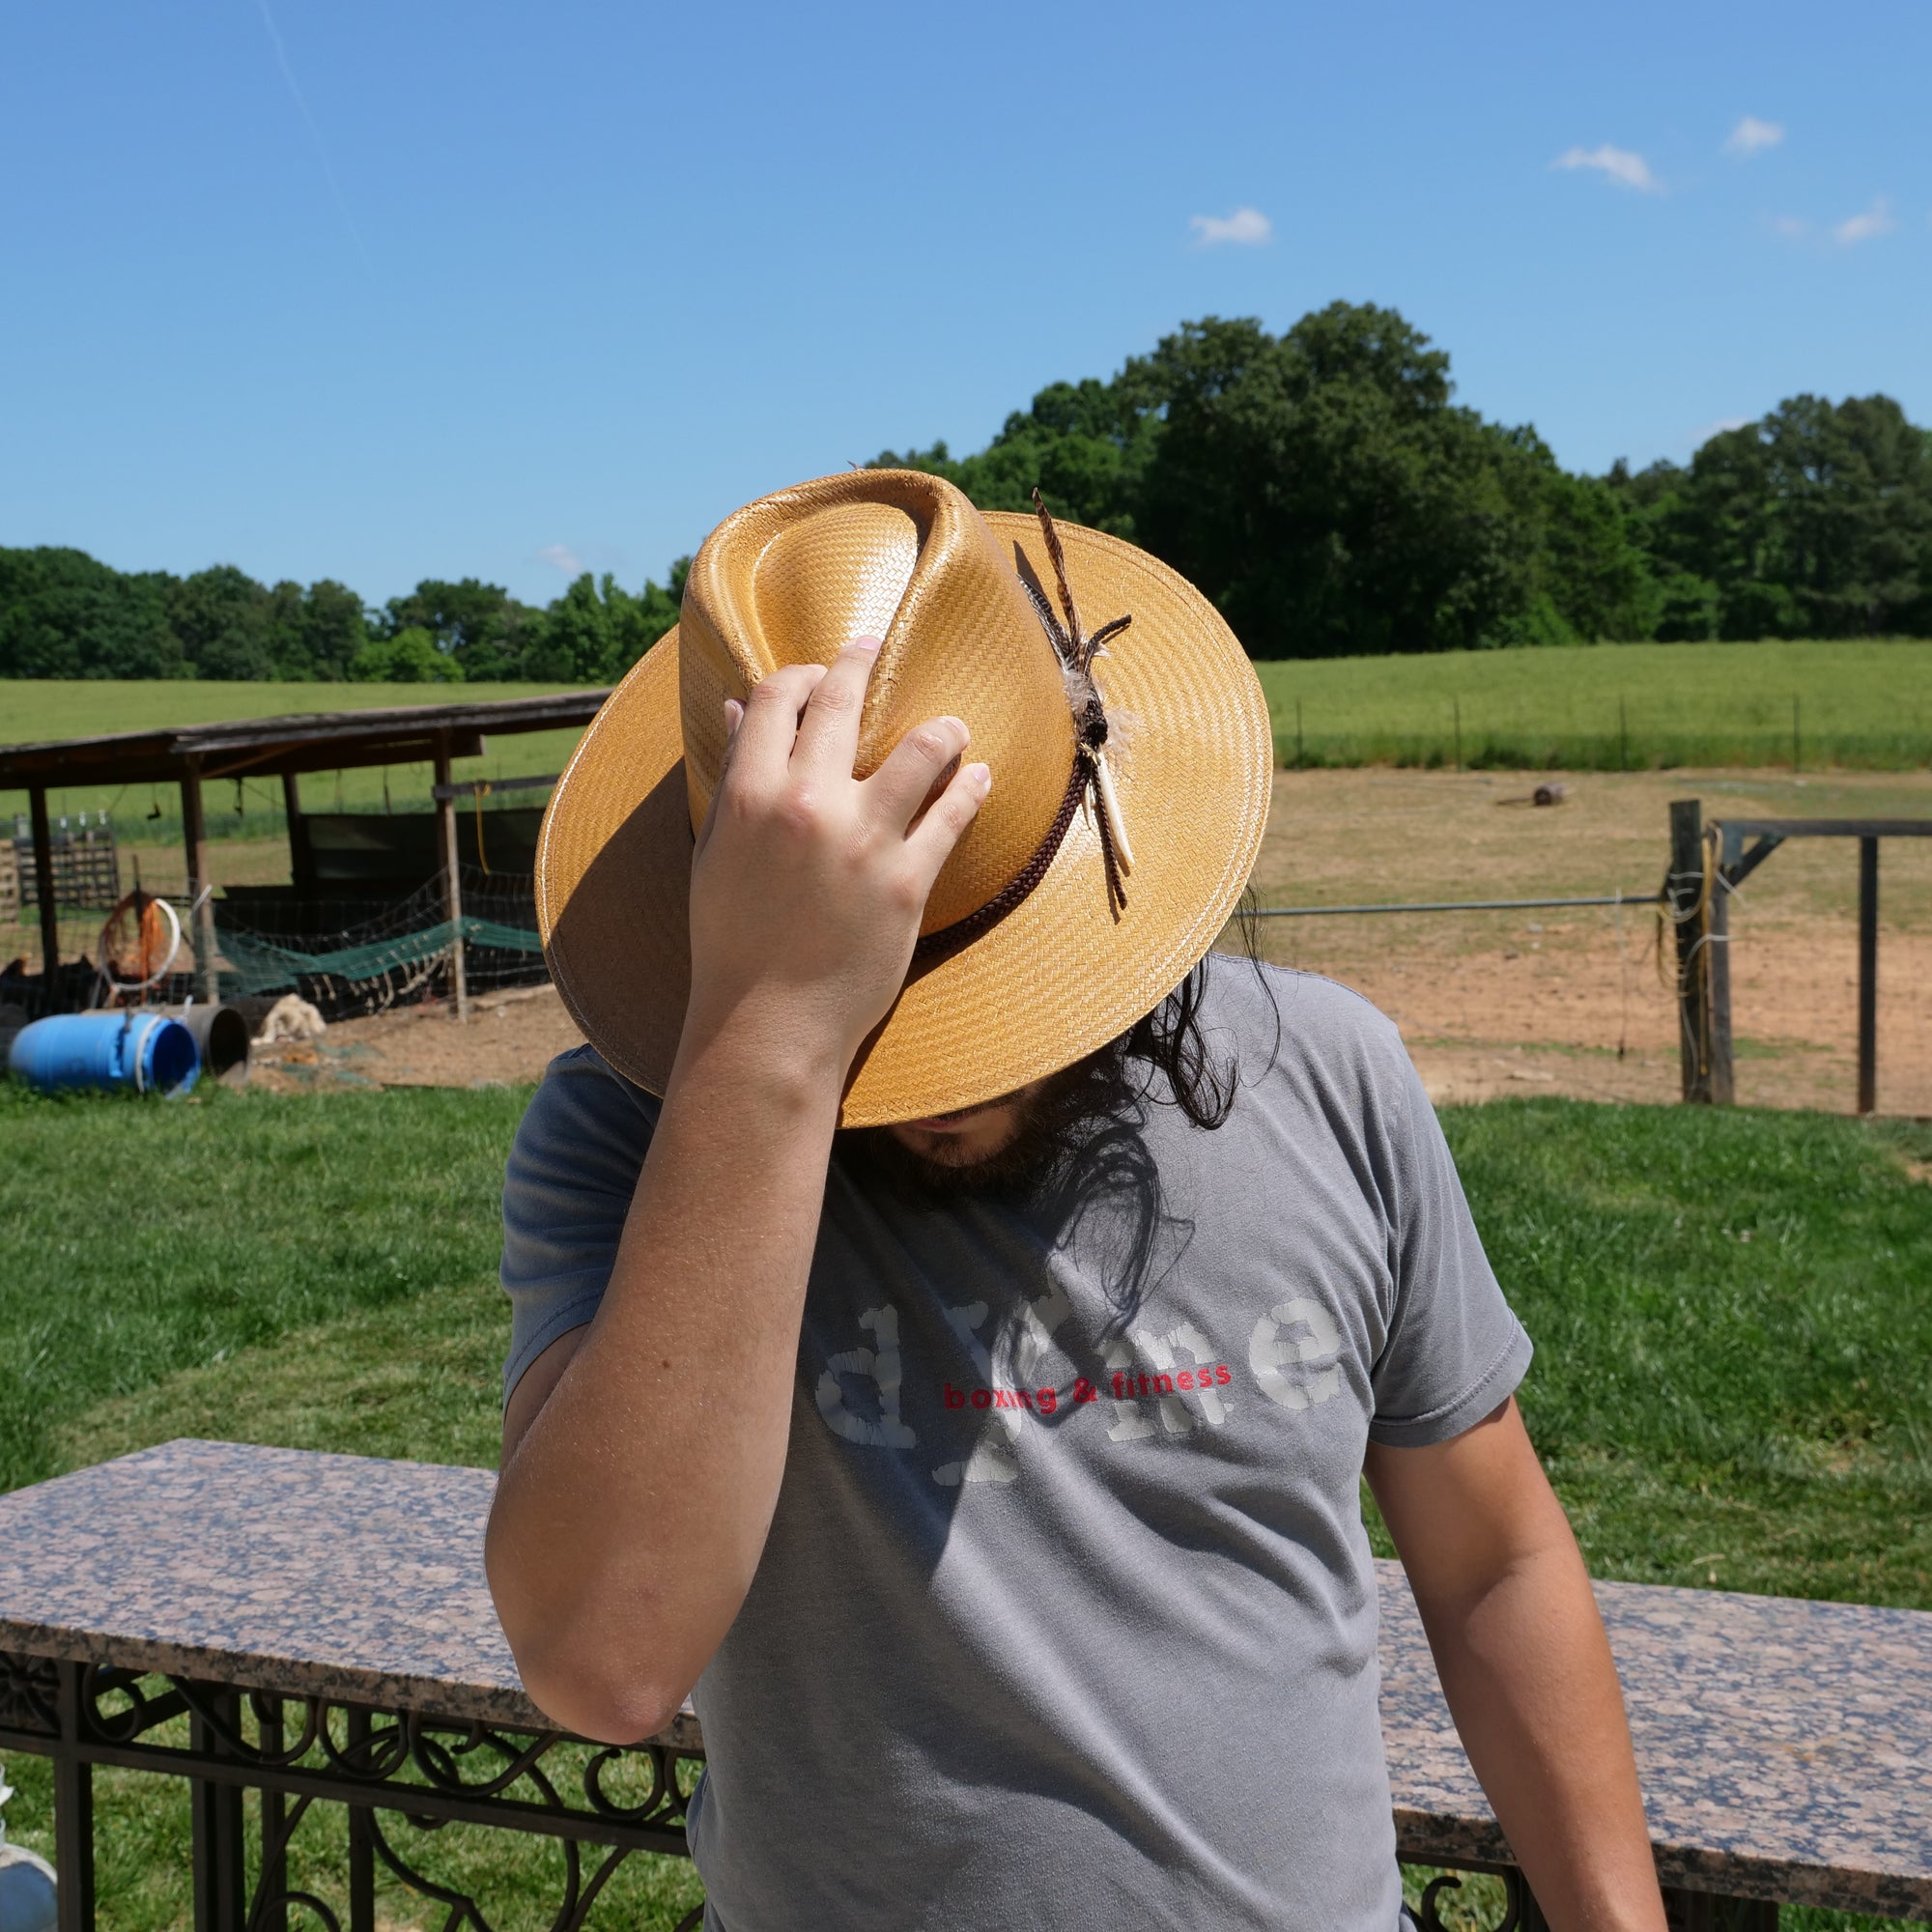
point(1060, 975)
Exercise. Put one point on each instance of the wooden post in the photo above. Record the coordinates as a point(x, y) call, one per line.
point(446, 842)
point(1867, 974)
point(1684, 887)
point(43, 888)
point(200, 888)
point(301, 862)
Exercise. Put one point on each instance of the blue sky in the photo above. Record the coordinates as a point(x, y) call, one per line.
point(380, 292)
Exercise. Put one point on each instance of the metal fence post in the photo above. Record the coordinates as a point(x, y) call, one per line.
point(1684, 889)
point(1867, 974)
point(220, 1889)
point(74, 1810)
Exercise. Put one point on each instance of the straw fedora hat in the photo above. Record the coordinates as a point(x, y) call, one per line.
point(1130, 788)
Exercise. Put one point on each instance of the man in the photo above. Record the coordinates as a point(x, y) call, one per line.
point(988, 1471)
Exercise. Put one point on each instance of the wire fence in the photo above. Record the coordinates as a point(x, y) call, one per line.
point(1579, 991)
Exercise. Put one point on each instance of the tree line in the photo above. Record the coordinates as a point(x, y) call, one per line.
point(1323, 486)
point(65, 614)
point(1326, 491)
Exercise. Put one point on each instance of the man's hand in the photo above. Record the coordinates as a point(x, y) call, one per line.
point(617, 1556)
point(809, 884)
point(1525, 1667)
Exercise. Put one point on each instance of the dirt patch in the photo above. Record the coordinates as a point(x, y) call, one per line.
point(1537, 1001)
point(508, 1040)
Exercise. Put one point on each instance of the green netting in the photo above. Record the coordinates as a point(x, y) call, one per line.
point(264, 967)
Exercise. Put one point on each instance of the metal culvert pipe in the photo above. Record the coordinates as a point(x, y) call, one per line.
point(222, 1034)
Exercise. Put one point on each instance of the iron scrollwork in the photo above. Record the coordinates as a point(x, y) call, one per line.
point(29, 1695)
point(1520, 1909)
point(403, 1776)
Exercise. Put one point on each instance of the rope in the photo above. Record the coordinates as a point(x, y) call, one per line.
point(482, 857)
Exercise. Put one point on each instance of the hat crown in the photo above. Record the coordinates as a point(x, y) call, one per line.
point(905, 557)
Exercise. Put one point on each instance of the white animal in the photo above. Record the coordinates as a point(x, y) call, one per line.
point(292, 1018)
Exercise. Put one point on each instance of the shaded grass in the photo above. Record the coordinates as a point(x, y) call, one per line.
point(317, 1272)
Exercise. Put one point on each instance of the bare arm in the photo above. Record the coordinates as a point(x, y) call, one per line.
point(1526, 1668)
point(641, 1470)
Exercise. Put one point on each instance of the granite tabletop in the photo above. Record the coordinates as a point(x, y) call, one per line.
point(1785, 1746)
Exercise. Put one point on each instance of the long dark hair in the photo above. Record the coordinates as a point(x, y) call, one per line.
point(1170, 1044)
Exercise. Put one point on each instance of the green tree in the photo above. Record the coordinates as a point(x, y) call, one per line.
point(480, 626)
point(335, 626)
point(1085, 445)
point(221, 618)
point(64, 614)
point(409, 656)
point(1328, 495)
point(1591, 564)
point(596, 631)
point(1814, 522)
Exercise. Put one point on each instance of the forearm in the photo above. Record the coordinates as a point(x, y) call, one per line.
point(1530, 1682)
point(630, 1518)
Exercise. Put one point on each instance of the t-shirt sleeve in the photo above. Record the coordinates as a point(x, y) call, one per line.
point(573, 1170)
point(1455, 1349)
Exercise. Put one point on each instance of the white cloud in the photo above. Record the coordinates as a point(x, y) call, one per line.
point(564, 557)
point(1876, 220)
point(1751, 135)
point(1625, 169)
point(1246, 227)
point(1793, 227)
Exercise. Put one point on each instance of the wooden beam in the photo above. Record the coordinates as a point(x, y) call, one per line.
point(43, 888)
point(200, 887)
point(445, 845)
point(301, 857)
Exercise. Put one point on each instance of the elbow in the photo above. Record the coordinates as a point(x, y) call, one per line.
point(593, 1704)
point(589, 1670)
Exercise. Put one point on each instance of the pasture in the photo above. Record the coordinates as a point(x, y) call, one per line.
point(1604, 707)
point(1728, 1391)
point(1865, 705)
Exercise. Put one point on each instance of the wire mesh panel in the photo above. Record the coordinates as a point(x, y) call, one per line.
point(351, 956)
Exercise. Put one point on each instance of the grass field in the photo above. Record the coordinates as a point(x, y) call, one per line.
point(1611, 707)
point(1602, 707)
point(1729, 1308)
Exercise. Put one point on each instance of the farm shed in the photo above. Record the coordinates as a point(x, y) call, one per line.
point(379, 857)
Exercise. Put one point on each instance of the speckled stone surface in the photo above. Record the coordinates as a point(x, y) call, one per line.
point(1786, 1748)
point(333, 1575)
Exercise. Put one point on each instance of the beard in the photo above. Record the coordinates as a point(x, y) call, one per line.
point(1066, 1110)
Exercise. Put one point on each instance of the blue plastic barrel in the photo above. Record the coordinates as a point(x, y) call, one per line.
point(146, 1051)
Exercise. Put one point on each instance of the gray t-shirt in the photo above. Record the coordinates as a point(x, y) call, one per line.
point(1067, 1615)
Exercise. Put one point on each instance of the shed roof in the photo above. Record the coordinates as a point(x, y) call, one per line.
point(308, 741)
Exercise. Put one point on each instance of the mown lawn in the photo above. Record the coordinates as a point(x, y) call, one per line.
point(1731, 1313)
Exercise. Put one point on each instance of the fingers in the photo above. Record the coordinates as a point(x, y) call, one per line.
point(827, 736)
point(920, 763)
point(930, 842)
point(734, 715)
point(762, 744)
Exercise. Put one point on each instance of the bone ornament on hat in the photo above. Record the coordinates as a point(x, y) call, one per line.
point(905, 557)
